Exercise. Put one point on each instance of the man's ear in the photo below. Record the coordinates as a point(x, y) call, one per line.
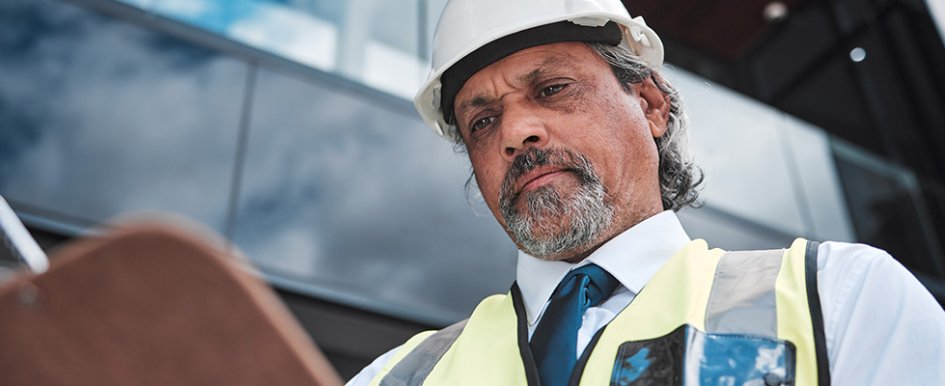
point(655, 105)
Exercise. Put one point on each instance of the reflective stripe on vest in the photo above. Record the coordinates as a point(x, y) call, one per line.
point(743, 296)
point(762, 293)
point(414, 368)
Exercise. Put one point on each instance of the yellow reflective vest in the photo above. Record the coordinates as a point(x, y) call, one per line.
point(706, 317)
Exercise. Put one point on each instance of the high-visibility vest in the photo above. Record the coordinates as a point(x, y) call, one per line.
point(706, 317)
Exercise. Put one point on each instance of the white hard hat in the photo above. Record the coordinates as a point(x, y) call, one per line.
point(473, 34)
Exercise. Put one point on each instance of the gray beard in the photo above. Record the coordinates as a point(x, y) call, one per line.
point(549, 224)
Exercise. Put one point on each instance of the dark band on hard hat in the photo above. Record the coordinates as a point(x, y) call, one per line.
point(456, 76)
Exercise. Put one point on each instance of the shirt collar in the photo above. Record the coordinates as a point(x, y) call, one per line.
point(633, 257)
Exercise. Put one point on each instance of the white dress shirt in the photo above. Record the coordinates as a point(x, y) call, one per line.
point(882, 326)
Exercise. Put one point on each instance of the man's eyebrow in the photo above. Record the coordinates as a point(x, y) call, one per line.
point(530, 77)
point(549, 62)
point(478, 101)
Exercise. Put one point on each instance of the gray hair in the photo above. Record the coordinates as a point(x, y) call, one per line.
point(679, 176)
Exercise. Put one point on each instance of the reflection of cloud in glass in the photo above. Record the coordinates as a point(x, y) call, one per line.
point(120, 115)
point(290, 34)
point(271, 27)
point(143, 4)
point(192, 8)
point(380, 48)
point(379, 196)
point(347, 192)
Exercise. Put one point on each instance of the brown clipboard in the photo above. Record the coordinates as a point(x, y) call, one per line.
point(151, 305)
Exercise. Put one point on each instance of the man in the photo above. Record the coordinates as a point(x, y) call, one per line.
point(578, 148)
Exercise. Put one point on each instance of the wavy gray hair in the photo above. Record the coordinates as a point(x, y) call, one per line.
point(679, 176)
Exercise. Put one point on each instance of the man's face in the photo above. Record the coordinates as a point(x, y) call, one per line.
point(563, 154)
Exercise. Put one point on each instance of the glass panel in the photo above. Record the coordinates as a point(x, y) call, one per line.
point(143, 4)
point(887, 210)
point(741, 152)
point(818, 188)
point(280, 30)
point(98, 117)
point(352, 194)
point(393, 70)
point(370, 41)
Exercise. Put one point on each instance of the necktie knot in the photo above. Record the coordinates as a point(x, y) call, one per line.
point(554, 343)
point(594, 283)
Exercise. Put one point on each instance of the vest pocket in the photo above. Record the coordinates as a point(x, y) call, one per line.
point(689, 357)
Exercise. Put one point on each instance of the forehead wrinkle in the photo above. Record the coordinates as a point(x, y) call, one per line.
point(549, 62)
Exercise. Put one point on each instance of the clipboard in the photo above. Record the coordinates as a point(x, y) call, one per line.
point(151, 304)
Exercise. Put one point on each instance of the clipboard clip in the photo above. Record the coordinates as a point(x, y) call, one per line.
point(19, 240)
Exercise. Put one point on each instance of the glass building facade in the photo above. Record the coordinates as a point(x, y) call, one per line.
point(287, 127)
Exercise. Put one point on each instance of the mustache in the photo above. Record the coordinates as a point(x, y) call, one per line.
point(535, 158)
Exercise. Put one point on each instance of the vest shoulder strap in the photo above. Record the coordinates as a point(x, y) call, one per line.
point(414, 368)
point(401, 352)
point(742, 299)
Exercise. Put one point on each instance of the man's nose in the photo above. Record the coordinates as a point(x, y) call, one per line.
point(521, 129)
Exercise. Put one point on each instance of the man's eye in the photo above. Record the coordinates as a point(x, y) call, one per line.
point(481, 123)
point(552, 90)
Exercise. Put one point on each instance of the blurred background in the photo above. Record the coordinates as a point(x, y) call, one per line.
point(287, 127)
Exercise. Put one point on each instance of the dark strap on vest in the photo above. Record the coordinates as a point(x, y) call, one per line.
point(816, 314)
point(524, 349)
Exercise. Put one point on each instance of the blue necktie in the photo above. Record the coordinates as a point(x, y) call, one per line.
point(554, 343)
